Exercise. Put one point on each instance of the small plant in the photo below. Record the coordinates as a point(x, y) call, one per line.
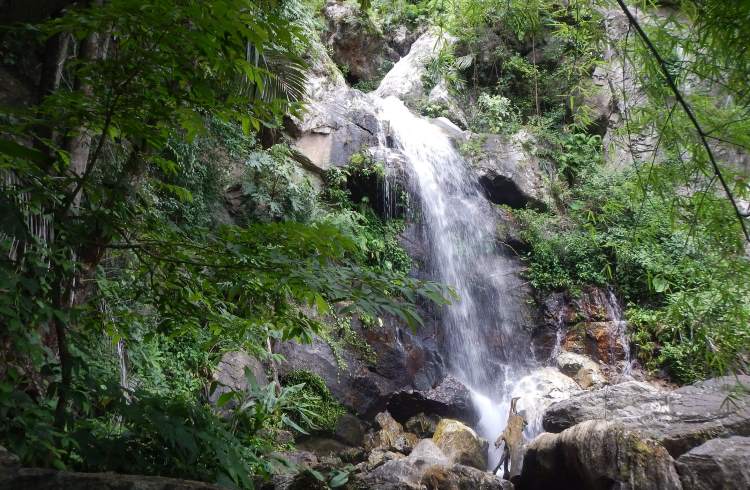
point(496, 114)
point(322, 410)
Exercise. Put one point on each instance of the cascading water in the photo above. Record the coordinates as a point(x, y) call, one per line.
point(484, 344)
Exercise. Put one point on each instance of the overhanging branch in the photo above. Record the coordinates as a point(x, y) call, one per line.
point(689, 111)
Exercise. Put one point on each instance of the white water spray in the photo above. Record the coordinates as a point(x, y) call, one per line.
point(484, 344)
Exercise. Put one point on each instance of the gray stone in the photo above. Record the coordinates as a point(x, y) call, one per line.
point(337, 122)
point(597, 455)
point(230, 374)
point(718, 463)
point(321, 446)
point(509, 171)
point(680, 420)
point(448, 399)
point(404, 81)
point(581, 368)
point(426, 449)
point(349, 430)
point(46, 479)
point(421, 474)
point(441, 95)
point(356, 42)
point(380, 456)
point(403, 360)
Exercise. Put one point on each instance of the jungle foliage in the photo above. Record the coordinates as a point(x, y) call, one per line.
point(124, 279)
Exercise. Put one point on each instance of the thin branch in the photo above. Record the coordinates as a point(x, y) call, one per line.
point(689, 111)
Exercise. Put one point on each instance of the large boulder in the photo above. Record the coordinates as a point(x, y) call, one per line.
point(404, 81)
point(461, 444)
point(356, 42)
point(450, 399)
point(538, 390)
point(718, 463)
point(582, 369)
point(597, 455)
point(680, 420)
point(509, 171)
point(229, 374)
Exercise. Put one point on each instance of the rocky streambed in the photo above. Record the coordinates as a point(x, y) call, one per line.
point(630, 435)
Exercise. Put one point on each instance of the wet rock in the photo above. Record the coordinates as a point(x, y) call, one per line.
point(422, 425)
point(448, 399)
point(356, 42)
point(597, 455)
point(463, 477)
point(589, 324)
point(582, 369)
point(349, 430)
point(426, 449)
point(509, 171)
point(441, 96)
point(542, 387)
point(379, 456)
point(680, 420)
point(461, 444)
point(718, 463)
point(404, 81)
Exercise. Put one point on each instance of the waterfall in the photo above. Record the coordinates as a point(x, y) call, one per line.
point(483, 343)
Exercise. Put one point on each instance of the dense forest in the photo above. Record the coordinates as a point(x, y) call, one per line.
point(162, 214)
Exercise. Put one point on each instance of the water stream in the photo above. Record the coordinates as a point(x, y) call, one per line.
point(483, 344)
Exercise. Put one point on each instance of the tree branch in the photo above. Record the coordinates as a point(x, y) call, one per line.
point(689, 111)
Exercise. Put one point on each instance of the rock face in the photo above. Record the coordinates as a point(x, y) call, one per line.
point(448, 399)
point(680, 420)
point(356, 42)
point(404, 81)
point(718, 463)
point(338, 121)
point(509, 172)
point(403, 361)
point(590, 324)
point(460, 444)
point(597, 455)
point(230, 373)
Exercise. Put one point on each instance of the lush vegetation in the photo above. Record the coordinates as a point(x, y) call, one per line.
point(667, 230)
point(152, 217)
point(125, 276)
